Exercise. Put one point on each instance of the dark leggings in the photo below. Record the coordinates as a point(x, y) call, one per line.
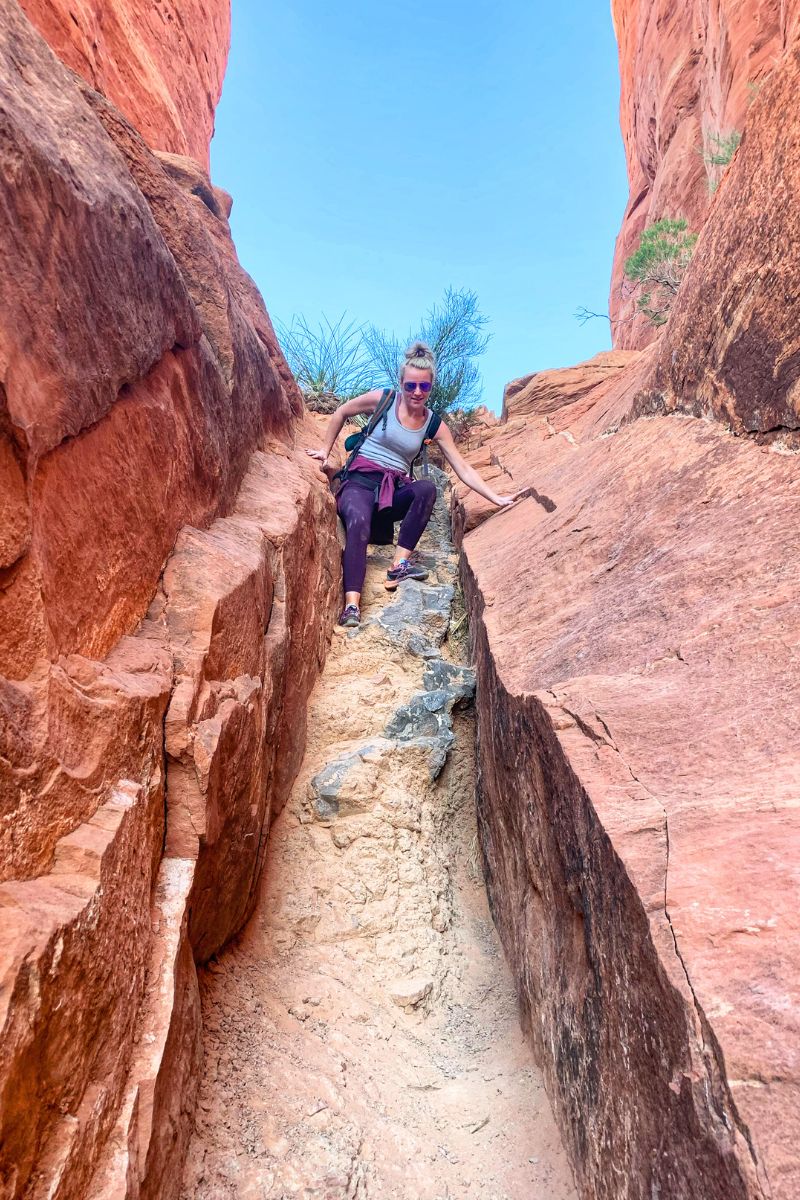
point(413, 503)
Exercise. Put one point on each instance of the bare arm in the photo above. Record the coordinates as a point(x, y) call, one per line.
point(465, 472)
point(366, 403)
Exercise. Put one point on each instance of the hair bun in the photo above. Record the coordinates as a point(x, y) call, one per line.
point(420, 355)
point(419, 350)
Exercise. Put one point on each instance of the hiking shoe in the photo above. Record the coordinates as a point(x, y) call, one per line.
point(351, 617)
point(405, 569)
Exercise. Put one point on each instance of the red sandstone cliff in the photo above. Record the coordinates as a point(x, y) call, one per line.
point(688, 72)
point(161, 64)
point(168, 570)
point(637, 654)
point(169, 567)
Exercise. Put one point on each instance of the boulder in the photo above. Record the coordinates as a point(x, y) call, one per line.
point(211, 691)
point(636, 654)
point(181, 394)
point(636, 658)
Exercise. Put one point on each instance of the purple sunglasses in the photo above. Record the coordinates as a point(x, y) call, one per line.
point(424, 387)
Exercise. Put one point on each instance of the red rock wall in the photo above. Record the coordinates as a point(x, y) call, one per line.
point(637, 715)
point(161, 63)
point(731, 349)
point(168, 572)
point(637, 658)
point(687, 71)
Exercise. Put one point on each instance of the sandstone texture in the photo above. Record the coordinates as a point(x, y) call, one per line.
point(169, 569)
point(637, 654)
point(689, 73)
point(160, 63)
point(169, 572)
point(361, 1035)
point(731, 349)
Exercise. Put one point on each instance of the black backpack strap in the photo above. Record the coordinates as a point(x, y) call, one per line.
point(381, 411)
point(431, 429)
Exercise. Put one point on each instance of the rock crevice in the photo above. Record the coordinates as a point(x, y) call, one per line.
point(360, 1036)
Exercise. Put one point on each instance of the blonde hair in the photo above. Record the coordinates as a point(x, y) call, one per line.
point(419, 355)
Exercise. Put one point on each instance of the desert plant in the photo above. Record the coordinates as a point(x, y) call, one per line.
point(583, 314)
point(461, 422)
point(724, 146)
point(657, 266)
point(455, 331)
point(329, 362)
point(720, 151)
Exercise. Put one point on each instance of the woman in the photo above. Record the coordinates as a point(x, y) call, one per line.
point(379, 476)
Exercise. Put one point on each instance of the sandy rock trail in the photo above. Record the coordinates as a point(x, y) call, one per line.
point(361, 1036)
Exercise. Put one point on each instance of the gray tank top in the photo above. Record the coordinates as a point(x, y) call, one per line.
point(398, 446)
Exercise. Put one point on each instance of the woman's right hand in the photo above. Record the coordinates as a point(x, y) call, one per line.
point(322, 455)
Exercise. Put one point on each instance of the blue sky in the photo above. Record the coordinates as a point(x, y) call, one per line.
point(378, 154)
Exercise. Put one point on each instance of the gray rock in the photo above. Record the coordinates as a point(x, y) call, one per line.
point(418, 619)
point(325, 786)
point(412, 721)
point(326, 807)
point(444, 676)
point(420, 647)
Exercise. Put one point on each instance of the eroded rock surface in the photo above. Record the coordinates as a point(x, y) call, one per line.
point(731, 349)
point(361, 1037)
point(98, 943)
point(168, 574)
point(689, 74)
point(161, 64)
point(636, 654)
point(636, 650)
point(184, 391)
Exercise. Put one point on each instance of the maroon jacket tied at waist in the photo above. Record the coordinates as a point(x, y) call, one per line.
point(390, 477)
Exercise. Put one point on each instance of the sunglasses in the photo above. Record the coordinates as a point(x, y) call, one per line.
point(412, 387)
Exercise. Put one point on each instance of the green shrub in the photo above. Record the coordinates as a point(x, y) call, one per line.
point(329, 363)
point(334, 362)
point(721, 149)
point(724, 146)
point(455, 332)
point(658, 265)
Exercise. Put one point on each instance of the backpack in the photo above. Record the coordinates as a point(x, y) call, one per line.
point(356, 440)
point(430, 433)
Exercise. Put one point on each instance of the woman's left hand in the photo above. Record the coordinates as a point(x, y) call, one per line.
point(504, 501)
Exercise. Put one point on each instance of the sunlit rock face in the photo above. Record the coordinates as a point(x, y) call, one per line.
point(689, 74)
point(637, 654)
point(168, 572)
point(161, 63)
point(731, 349)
